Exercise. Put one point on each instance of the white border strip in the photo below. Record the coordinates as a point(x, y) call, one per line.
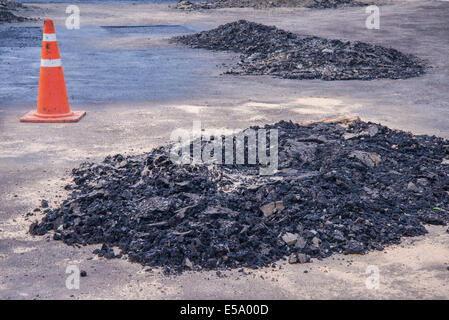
point(49, 37)
point(51, 63)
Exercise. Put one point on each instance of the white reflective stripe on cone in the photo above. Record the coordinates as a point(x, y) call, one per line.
point(51, 63)
point(49, 37)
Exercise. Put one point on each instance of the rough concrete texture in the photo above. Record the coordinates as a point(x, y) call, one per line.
point(35, 159)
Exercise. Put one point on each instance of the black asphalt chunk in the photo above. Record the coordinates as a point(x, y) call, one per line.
point(267, 50)
point(341, 188)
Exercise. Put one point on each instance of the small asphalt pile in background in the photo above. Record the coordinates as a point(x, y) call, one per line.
point(267, 50)
point(346, 187)
point(6, 11)
point(262, 4)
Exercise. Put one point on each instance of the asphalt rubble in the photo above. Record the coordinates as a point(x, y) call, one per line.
point(264, 4)
point(8, 12)
point(341, 187)
point(267, 50)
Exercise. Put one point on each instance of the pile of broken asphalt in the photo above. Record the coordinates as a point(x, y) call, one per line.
point(262, 4)
point(267, 50)
point(345, 187)
point(7, 7)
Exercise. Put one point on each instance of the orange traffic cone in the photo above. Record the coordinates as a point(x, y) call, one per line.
point(52, 101)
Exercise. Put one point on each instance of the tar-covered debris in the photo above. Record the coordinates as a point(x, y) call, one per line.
point(267, 50)
point(345, 187)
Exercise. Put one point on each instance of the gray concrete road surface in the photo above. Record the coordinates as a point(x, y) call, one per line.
point(137, 88)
